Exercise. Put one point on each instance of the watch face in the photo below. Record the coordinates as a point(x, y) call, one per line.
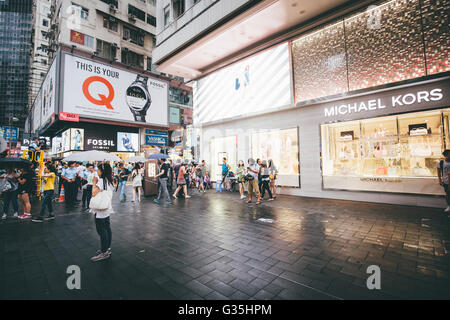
point(136, 98)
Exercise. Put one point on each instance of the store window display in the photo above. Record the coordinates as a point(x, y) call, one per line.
point(402, 146)
point(281, 146)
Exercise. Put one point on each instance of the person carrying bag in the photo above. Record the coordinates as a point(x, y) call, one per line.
point(102, 192)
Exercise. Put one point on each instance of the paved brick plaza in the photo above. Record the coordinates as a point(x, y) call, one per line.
point(213, 247)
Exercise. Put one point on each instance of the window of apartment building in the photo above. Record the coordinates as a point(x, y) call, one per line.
point(110, 23)
point(132, 58)
point(106, 50)
point(113, 2)
point(136, 12)
point(178, 8)
point(166, 16)
point(45, 22)
point(89, 41)
point(151, 20)
point(83, 12)
point(149, 64)
point(134, 36)
point(45, 10)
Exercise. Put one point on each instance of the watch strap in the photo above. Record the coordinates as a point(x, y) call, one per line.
point(139, 117)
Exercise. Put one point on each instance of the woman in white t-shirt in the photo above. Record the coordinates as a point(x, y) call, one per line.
point(136, 175)
point(104, 181)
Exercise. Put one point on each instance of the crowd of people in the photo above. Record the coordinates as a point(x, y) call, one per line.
point(259, 176)
point(175, 179)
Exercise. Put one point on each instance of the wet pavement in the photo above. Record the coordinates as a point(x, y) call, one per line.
point(214, 246)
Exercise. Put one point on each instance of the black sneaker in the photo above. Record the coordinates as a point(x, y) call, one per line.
point(50, 217)
point(38, 219)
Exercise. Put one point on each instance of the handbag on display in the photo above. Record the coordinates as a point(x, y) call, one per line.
point(102, 201)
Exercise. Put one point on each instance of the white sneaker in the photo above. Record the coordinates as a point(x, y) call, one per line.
point(4, 217)
point(448, 209)
point(243, 197)
point(16, 215)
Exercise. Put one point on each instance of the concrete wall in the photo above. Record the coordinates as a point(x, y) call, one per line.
point(195, 20)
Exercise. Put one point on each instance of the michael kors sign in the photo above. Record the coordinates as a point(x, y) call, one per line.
point(423, 96)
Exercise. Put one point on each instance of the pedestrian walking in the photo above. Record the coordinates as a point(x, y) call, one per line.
point(10, 196)
point(443, 169)
point(252, 177)
point(187, 175)
point(163, 178)
point(240, 174)
point(265, 179)
point(49, 190)
point(273, 172)
point(225, 169)
point(89, 175)
point(170, 176)
point(199, 172)
point(136, 176)
point(123, 178)
point(103, 182)
point(26, 188)
point(181, 182)
point(258, 162)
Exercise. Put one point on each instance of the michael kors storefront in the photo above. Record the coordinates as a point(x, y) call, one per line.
point(389, 141)
point(377, 146)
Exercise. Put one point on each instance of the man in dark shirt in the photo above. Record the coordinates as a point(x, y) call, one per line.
point(163, 176)
point(123, 177)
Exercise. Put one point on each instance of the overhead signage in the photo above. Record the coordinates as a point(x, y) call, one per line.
point(423, 96)
point(10, 134)
point(157, 132)
point(152, 140)
point(66, 116)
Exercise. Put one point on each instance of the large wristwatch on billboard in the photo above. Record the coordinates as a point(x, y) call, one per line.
point(138, 98)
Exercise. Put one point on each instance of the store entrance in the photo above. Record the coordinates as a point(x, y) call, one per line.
point(220, 148)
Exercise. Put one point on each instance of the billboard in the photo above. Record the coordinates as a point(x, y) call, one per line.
point(100, 91)
point(66, 141)
point(48, 95)
point(174, 115)
point(103, 140)
point(127, 142)
point(57, 145)
point(37, 113)
point(253, 85)
point(76, 139)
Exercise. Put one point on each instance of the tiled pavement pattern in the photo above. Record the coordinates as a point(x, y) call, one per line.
point(213, 247)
